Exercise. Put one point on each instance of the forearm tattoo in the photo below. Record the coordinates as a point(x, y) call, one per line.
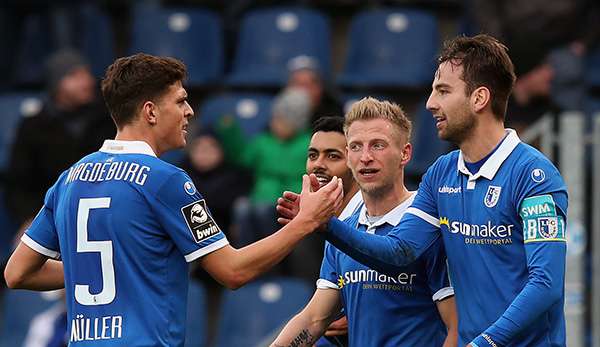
point(302, 339)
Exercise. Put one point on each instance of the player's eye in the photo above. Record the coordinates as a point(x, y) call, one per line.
point(354, 147)
point(379, 145)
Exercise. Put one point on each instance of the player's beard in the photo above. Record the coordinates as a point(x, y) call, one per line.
point(377, 190)
point(460, 128)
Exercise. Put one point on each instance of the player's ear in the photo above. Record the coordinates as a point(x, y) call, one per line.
point(480, 99)
point(406, 153)
point(149, 111)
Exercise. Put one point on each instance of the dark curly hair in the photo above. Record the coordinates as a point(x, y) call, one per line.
point(131, 81)
point(485, 63)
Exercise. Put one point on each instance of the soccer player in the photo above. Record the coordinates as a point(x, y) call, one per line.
point(126, 223)
point(326, 158)
point(408, 301)
point(498, 204)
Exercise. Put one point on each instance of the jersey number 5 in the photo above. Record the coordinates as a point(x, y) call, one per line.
point(105, 248)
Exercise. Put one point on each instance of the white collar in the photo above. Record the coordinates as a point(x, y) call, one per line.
point(392, 217)
point(127, 147)
point(493, 163)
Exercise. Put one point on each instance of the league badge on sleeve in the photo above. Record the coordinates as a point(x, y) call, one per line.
point(541, 220)
point(199, 221)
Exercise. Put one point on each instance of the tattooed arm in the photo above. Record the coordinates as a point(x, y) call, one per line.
point(310, 324)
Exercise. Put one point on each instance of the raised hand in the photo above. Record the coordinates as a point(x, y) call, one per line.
point(318, 206)
point(338, 327)
point(288, 205)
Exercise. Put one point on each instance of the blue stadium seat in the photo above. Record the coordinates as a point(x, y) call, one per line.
point(269, 38)
point(391, 48)
point(97, 39)
point(194, 36)
point(427, 146)
point(13, 107)
point(252, 111)
point(19, 307)
point(195, 332)
point(35, 45)
point(251, 312)
point(593, 68)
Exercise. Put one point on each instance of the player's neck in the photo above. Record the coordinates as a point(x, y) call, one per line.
point(134, 134)
point(482, 141)
point(381, 204)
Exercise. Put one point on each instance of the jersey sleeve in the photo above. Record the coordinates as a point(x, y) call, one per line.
point(329, 276)
point(436, 268)
point(185, 216)
point(417, 230)
point(41, 236)
point(542, 208)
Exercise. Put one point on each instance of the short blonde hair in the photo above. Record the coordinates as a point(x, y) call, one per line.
point(371, 108)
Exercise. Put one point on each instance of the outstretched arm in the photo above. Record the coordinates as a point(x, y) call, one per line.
point(236, 267)
point(405, 243)
point(310, 324)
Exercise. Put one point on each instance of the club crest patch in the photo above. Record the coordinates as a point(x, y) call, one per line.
point(492, 196)
point(199, 221)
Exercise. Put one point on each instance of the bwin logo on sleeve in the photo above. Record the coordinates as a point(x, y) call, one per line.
point(199, 221)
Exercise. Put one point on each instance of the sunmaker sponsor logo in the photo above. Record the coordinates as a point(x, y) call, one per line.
point(480, 234)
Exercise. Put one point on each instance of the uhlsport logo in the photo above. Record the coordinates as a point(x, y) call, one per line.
point(199, 221)
point(538, 175)
point(449, 190)
point(491, 197)
point(479, 234)
point(189, 187)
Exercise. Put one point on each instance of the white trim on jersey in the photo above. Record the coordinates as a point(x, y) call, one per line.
point(325, 284)
point(205, 250)
point(424, 216)
point(39, 248)
point(393, 217)
point(352, 206)
point(443, 294)
point(493, 163)
point(127, 147)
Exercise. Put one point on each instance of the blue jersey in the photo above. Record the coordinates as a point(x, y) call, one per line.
point(503, 229)
point(392, 309)
point(125, 224)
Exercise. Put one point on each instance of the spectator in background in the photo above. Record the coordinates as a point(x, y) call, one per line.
point(539, 32)
point(72, 123)
point(206, 166)
point(531, 97)
point(305, 73)
point(276, 159)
